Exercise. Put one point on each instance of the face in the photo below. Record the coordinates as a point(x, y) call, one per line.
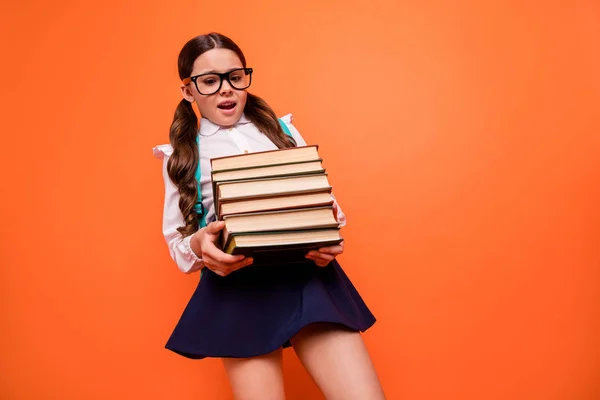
point(226, 106)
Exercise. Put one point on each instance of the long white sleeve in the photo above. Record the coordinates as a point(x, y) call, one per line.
point(179, 246)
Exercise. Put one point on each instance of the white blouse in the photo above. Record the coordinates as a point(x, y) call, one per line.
point(215, 141)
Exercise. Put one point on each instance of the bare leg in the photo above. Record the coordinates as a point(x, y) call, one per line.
point(256, 378)
point(339, 362)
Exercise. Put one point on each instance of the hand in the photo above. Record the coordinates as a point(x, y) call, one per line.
point(323, 256)
point(214, 259)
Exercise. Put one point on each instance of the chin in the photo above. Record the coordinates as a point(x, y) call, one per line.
point(227, 120)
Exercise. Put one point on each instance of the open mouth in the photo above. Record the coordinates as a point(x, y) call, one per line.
point(227, 105)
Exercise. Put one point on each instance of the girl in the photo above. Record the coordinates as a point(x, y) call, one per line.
point(243, 314)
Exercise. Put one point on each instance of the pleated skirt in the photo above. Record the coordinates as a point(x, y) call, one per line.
point(258, 309)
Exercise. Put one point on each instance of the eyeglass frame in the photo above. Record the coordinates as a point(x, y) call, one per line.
point(223, 76)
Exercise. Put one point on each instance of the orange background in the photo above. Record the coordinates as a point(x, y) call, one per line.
point(462, 139)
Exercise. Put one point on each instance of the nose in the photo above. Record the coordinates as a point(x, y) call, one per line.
point(225, 87)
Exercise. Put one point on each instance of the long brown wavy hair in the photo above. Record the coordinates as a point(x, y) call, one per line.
point(183, 162)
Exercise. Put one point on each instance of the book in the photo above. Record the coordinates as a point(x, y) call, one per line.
point(270, 247)
point(284, 220)
point(264, 158)
point(268, 171)
point(275, 203)
point(268, 187)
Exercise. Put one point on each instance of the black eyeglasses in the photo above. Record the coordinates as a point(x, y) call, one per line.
point(211, 82)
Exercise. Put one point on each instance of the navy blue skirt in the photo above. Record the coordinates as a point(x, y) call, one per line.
point(257, 310)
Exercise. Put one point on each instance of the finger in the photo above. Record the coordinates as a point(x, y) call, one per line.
point(338, 249)
point(323, 256)
point(211, 264)
point(319, 262)
point(227, 268)
point(241, 264)
point(210, 250)
point(220, 257)
point(215, 227)
point(323, 260)
point(315, 253)
point(322, 263)
point(219, 270)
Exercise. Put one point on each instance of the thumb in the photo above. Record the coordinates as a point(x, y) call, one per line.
point(215, 227)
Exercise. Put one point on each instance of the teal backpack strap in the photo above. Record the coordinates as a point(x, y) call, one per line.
point(198, 206)
point(285, 127)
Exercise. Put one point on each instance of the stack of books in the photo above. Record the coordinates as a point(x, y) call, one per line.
point(277, 205)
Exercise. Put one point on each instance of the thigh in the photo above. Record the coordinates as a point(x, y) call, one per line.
point(338, 361)
point(256, 378)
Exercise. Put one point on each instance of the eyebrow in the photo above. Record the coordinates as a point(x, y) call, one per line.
point(212, 71)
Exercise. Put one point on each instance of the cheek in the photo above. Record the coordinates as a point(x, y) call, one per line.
point(205, 104)
point(242, 98)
